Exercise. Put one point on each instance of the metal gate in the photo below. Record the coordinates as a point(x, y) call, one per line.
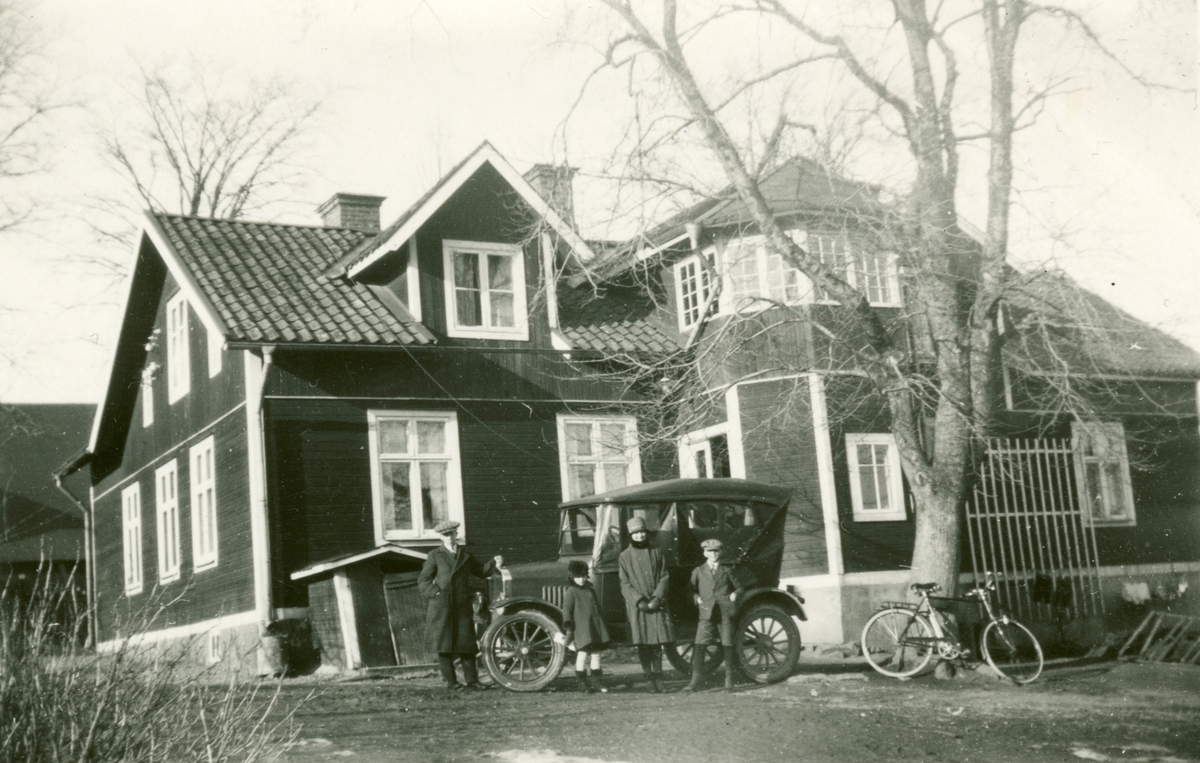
point(1025, 524)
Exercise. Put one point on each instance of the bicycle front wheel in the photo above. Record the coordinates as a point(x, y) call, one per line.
point(1012, 651)
point(897, 642)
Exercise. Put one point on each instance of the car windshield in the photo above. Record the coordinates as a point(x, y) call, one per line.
point(578, 531)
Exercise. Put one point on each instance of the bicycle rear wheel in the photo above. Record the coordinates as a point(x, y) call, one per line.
point(897, 642)
point(1012, 650)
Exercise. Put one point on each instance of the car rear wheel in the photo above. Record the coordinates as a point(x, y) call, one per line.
point(680, 657)
point(766, 643)
point(520, 652)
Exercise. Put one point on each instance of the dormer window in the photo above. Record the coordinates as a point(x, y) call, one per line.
point(485, 290)
point(692, 288)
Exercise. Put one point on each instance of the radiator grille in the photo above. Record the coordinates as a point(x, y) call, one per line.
point(554, 594)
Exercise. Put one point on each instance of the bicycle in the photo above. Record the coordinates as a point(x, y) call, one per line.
point(901, 638)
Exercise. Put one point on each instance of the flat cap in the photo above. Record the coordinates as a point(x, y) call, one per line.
point(712, 544)
point(446, 526)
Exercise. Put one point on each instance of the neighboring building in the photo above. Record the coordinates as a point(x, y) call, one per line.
point(283, 396)
point(1069, 513)
point(41, 528)
point(292, 409)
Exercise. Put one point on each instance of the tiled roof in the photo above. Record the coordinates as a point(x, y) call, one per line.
point(266, 283)
point(612, 320)
point(1062, 325)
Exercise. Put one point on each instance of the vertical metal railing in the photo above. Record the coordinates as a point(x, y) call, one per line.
point(1025, 523)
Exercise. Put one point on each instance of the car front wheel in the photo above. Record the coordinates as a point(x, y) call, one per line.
point(520, 652)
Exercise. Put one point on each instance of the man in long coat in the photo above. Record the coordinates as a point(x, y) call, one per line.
point(445, 584)
point(716, 595)
point(643, 573)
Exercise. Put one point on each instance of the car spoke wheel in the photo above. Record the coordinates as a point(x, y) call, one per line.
point(897, 642)
point(520, 652)
point(680, 657)
point(766, 643)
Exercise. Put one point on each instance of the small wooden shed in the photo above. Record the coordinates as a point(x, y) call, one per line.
point(365, 609)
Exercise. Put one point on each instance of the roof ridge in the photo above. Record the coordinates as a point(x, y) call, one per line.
point(306, 226)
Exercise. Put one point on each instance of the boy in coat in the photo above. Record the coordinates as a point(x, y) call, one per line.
point(585, 627)
point(716, 595)
point(445, 584)
point(643, 573)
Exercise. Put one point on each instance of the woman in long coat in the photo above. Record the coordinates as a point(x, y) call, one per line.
point(445, 584)
point(644, 577)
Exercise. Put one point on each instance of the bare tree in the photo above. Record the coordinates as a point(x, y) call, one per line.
point(25, 102)
point(198, 145)
point(902, 64)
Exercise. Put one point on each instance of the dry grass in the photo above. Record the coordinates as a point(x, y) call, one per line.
point(59, 701)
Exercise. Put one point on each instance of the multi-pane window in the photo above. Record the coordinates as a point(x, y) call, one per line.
point(755, 274)
point(1102, 472)
point(832, 251)
point(692, 289)
point(166, 495)
point(876, 484)
point(202, 473)
point(416, 472)
point(485, 290)
point(131, 537)
point(873, 276)
point(179, 368)
point(597, 454)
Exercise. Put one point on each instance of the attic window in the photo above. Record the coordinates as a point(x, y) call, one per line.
point(179, 367)
point(485, 290)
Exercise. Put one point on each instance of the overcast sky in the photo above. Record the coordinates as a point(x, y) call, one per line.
point(409, 93)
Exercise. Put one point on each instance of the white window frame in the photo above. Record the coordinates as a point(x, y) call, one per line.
point(148, 374)
point(1114, 432)
point(166, 520)
point(895, 481)
point(452, 457)
point(692, 280)
point(179, 365)
point(732, 303)
point(202, 474)
point(519, 331)
point(216, 351)
point(632, 450)
point(699, 442)
point(131, 538)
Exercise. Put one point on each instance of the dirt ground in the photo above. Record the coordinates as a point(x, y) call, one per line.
point(827, 711)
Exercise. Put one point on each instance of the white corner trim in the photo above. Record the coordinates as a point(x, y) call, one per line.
point(737, 451)
point(451, 184)
point(825, 475)
point(346, 617)
point(255, 371)
point(414, 281)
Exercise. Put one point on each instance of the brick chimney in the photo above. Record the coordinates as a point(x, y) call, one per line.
point(351, 210)
point(554, 184)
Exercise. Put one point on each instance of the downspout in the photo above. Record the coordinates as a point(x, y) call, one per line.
point(256, 379)
point(89, 567)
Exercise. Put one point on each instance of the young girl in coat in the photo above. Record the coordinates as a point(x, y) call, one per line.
point(584, 626)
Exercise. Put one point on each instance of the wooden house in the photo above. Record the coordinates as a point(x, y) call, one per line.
point(282, 395)
point(1072, 514)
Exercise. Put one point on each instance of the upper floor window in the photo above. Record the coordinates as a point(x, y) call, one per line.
point(485, 290)
point(597, 454)
point(131, 537)
point(179, 368)
point(416, 476)
point(166, 479)
point(752, 273)
point(876, 484)
point(692, 290)
point(1102, 472)
point(149, 373)
point(202, 472)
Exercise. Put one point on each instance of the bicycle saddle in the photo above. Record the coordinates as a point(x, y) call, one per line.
point(926, 587)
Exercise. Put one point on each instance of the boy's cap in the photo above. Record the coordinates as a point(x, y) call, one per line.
point(712, 544)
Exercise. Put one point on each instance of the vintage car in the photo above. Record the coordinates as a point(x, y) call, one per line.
point(520, 647)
